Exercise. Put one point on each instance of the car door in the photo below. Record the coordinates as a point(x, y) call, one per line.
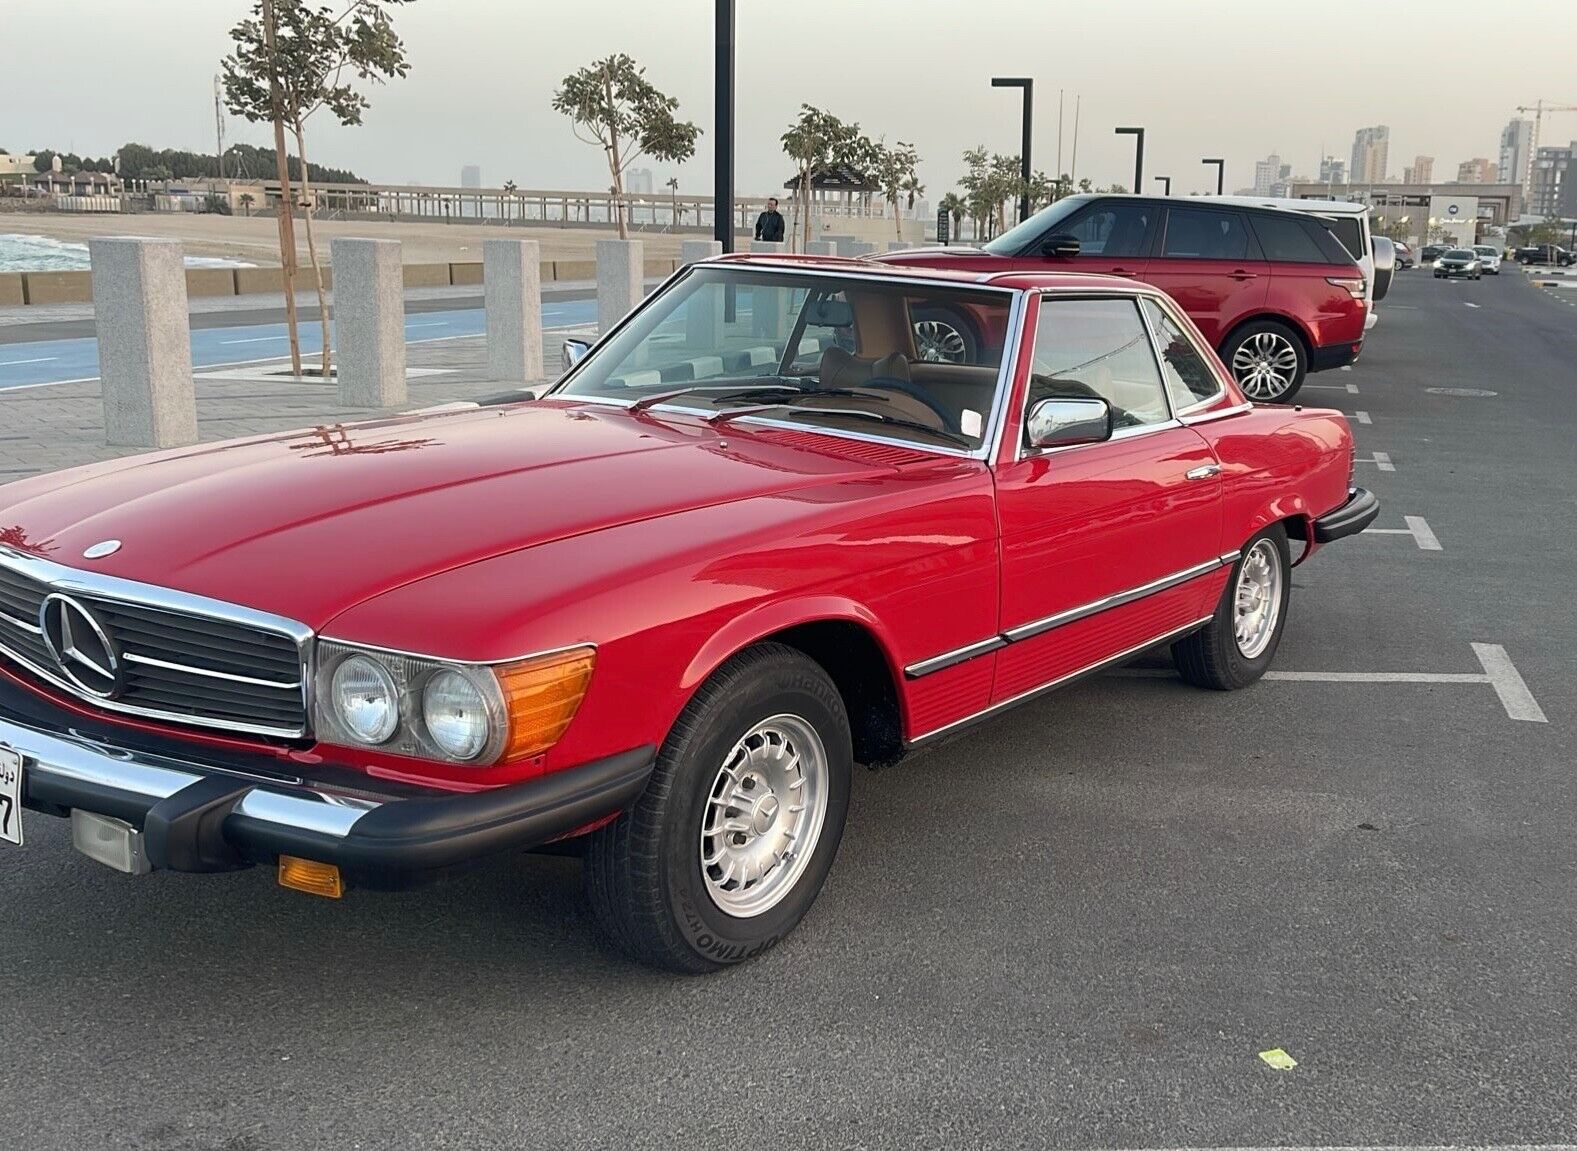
point(1114, 235)
point(1105, 546)
point(1209, 263)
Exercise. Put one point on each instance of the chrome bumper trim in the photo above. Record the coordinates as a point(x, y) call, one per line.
point(74, 760)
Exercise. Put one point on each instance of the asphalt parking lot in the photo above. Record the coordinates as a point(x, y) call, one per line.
point(1078, 926)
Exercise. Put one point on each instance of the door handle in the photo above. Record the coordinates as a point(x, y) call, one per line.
point(1240, 274)
point(1123, 272)
point(1203, 473)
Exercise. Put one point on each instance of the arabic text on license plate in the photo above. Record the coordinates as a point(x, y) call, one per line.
point(10, 796)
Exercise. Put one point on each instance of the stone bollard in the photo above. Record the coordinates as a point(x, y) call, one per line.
point(369, 322)
point(821, 248)
point(620, 280)
point(694, 251)
point(145, 345)
point(839, 242)
point(858, 248)
point(768, 246)
point(898, 245)
point(512, 299)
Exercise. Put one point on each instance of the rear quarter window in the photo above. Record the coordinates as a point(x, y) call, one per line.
point(1349, 230)
point(1289, 240)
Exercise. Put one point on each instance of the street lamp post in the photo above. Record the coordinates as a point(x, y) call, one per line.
point(1166, 184)
point(1138, 155)
point(1221, 173)
point(723, 120)
point(1028, 85)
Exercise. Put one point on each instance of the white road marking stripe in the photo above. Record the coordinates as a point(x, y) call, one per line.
point(1427, 540)
point(1382, 1147)
point(1353, 388)
point(255, 340)
point(1466, 304)
point(427, 324)
point(1378, 676)
point(1380, 460)
point(1508, 683)
point(1363, 417)
point(39, 360)
point(1347, 368)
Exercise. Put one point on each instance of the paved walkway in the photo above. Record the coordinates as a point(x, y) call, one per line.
point(62, 425)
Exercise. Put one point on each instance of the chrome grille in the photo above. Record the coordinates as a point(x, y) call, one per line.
point(183, 658)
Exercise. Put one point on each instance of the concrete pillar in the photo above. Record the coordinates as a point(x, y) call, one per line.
point(369, 322)
point(840, 242)
point(821, 248)
point(857, 248)
point(145, 347)
point(693, 251)
point(512, 298)
point(898, 246)
point(768, 246)
point(620, 280)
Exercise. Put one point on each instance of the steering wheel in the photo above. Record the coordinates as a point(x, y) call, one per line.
point(910, 389)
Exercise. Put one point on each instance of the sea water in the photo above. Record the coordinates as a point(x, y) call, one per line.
point(22, 253)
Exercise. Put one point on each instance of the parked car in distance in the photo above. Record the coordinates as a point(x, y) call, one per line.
point(1545, 254)
point(751, 539)
point(1433, 252)
point(1458, 262)
point(1488, 258)
point(1273, 291)
point(1405, 258)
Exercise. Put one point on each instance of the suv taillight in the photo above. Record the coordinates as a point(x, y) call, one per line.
point(1354, 287)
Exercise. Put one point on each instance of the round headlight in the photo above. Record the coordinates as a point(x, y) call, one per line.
point(365, 700)
point(456, 715)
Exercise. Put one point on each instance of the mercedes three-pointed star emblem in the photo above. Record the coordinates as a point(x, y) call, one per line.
point(80, 647)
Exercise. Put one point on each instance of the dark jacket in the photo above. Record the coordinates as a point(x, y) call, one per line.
point(769, 226)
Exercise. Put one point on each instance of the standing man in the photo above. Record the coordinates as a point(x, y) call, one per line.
point(769, 225)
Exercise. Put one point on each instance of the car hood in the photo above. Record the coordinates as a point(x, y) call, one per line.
point(306, 524)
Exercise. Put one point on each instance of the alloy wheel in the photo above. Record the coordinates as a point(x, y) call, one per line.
point(1266, 366)
point(938, 342)
point(1257, 599)
point(764, 815)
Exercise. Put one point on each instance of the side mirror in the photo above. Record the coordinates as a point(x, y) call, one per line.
point(1061, 244)
point(1064, 423)
point(574, 352)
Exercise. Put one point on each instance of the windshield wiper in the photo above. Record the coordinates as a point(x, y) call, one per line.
point(723, 393)
point(894, 421)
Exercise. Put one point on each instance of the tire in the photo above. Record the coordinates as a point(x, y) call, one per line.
point(944, 336)
point(646, 874)
point(1268, 360)
point(1215, 657)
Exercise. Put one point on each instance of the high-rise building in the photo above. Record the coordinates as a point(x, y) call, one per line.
point(1551, 167)
point(1333, 170)
point(638, 182)
point(1477, 171)
point(1371, 152)
point(1422, 171)
point(1266, 172)
point(1516, 144)
point(471, 176)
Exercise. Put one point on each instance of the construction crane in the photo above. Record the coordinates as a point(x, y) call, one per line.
point(1538, 108)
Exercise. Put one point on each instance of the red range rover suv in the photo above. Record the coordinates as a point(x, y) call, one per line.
point(1274, 291)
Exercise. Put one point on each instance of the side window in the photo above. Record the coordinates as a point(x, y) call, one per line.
point(1115, 228)
point(1098, 348)
point(1189, 380)
point(1350, 232)
point(829, 322)
point(1286, 240)
point(1192, 234)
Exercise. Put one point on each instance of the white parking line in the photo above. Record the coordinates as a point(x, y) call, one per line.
point(255, 340)
point(38, 360)
point(1417, 528)
point(1499, 673)
point(1382, 1147)
point(1352, 389)
point(1468, 305)
point(1363, 417)
point(1380, 460)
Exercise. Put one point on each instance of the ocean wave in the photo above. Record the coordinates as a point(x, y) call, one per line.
point(25, 253)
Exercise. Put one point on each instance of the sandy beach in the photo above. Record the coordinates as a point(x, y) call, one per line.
point(254, 240)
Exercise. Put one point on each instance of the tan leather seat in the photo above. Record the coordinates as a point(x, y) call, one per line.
point(842, 369)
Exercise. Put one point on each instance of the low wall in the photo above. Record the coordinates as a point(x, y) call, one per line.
point(75, 287)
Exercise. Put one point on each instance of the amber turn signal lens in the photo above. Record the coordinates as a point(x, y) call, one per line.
point(310, 876)
point(541, 696)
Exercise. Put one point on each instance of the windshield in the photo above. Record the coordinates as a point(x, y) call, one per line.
point(888, 357)
point(1485, 251)
point(1459, 254)
point(1020, 236)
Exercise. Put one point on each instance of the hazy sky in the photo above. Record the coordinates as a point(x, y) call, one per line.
point(1237, 78)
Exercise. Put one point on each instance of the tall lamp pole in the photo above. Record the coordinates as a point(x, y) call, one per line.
point(1138, 156)
point(723, 118)
point(1028, 85)
point(1221, 170)
point(1166, 184)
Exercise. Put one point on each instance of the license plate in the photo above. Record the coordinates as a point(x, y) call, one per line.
point(10, 796)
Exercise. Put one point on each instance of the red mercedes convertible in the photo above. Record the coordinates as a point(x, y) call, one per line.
point(752, 539)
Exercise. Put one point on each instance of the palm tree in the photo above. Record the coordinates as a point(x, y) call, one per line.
point(955, 207)
point(672, 184)
point(510, 189)
point(246, 201)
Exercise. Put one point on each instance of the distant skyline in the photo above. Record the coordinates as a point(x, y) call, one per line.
point(483, 73)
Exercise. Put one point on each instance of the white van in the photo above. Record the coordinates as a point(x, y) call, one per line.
point(1350, 223)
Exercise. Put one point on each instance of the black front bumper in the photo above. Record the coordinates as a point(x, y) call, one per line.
point(1351, 518)
point(199, 814)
